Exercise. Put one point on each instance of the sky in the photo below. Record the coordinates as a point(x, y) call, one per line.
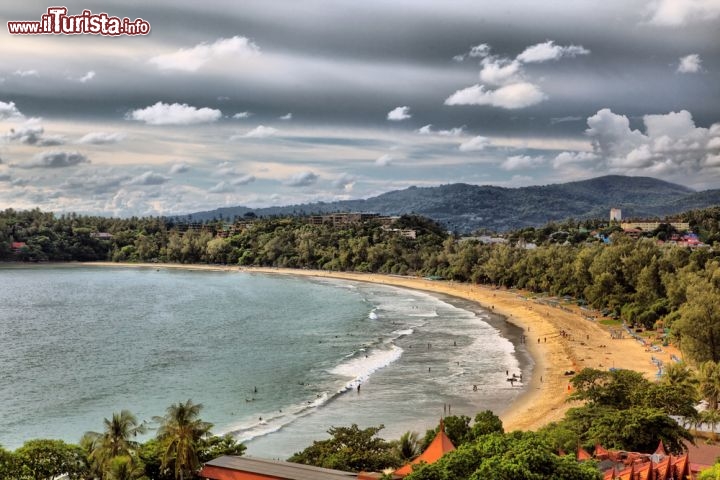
point(279, 102)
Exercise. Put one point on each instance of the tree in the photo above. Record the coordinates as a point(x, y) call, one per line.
point(516, 456)
point(485, 423)
point(43, 459)
point(699, 325)
point(124, 467)
point(615, 389)
point(636, 429)
point(8, 464)
point(217, 446)
point(180, 433)
point(408, 446)
point(457, 428)
point(709, 383)
point(116, 440)
point(350, 449)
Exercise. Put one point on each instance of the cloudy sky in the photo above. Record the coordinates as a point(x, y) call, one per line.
point(276, 102)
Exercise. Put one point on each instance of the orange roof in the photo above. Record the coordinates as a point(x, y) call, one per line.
point(660, 450)
point(609, 474)
point(600, 451)
point(440, 445)
point(582, 454)
point(626, 474)
point(643, 471)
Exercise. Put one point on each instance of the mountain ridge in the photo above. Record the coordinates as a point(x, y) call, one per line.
point(463, 207)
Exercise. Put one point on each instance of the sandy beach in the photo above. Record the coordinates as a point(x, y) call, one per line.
point(586, 343)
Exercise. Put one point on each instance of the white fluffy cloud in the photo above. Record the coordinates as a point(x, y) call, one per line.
point(102, 138)
point(87, 77)
point(521, 162)
point(670, 144)
point(56, 159)
point(565, 159)
point(512, 96)
point(26, 73)
point(675, 13)
point(475, 144)
point(261, 131)
point(242, 115)
point(384, 160)
point(222, 187)
point(32, 133)
point(192, 59)
point(542, 52)
point(500, 71)
point(344, 182)
point(302, 179)
point(690, 63)
point(287, 116)
point(453, 132)
point(243, 180)
point(399, 114)
point(8, 111)
point(179, 168)
point(174, 114)
point(149, 178)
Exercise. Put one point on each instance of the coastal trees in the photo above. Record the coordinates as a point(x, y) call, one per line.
point(117, 439)
point(408, 446)
point(179, 435)
point(43, 459)
point(516, 455)
point(351, 449)
point(699, 325)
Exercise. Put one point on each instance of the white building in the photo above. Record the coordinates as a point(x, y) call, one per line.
point(615, 214)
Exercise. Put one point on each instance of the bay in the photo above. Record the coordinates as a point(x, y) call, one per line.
point(275, 360)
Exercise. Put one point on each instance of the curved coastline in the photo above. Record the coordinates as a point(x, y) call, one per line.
point(587, 344)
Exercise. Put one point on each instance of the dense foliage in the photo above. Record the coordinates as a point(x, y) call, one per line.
point(181, 445)
point(640, 281)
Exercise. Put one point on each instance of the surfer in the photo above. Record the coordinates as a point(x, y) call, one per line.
point(255, 390)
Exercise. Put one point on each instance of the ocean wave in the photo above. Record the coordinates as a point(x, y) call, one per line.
point(360, 367)
point(373, 314)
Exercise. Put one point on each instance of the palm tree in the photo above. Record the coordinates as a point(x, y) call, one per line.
point(709, 383)
point(712, 419)
point(116, 440)
point(408, 446)
point(679, 375)
point(179, 434)
point(125, 468)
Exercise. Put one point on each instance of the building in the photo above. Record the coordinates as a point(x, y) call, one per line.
point(249, 468)
point(440, 445)
point(617, 464)
point(615, 215)
point(646, 226)
point(101, 235)
point(16, 247)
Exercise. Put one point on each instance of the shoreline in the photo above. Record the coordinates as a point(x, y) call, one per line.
point(588, 344)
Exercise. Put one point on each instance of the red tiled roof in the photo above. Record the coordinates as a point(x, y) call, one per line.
point(440, 445)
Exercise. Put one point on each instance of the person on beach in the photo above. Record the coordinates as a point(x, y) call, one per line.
point(358, 388)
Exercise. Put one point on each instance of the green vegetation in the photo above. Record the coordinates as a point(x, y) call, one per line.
point(182, 444)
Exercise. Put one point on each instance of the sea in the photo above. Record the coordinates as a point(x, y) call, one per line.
point(275, 360)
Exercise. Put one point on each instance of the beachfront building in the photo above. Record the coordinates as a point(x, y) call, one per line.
point(440, 445)
point(621, 465)
point(249, 468)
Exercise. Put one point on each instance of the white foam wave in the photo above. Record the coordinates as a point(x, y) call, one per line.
point(402, 333)
point(373, 315)
point(361, 367)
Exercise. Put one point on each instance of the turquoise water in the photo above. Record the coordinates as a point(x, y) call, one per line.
point(77, 344)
